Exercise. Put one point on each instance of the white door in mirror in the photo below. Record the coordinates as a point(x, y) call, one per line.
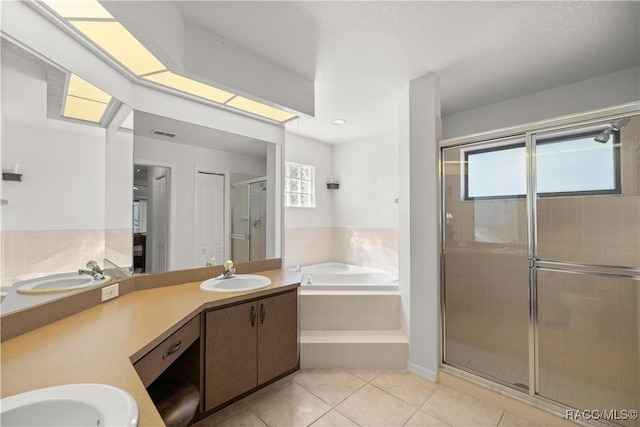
point(71, 405)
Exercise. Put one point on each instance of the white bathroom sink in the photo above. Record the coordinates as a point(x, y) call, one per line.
point(70, 405)
point(60, 283)
point(238, 283)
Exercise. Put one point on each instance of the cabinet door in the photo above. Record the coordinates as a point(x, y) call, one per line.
point(230, 353)
point(277, 335)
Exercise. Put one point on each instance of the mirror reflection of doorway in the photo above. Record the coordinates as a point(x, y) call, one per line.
point(151, 204)
point(209, 205)
point(248, 219)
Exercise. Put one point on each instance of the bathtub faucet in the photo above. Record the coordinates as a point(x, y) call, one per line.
point(93, 269)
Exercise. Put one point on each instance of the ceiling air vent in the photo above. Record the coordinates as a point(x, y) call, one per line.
point(163, 133)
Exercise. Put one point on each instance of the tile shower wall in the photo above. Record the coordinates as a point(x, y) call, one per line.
point(588, 340)
point(29, 254)
point(595, 230)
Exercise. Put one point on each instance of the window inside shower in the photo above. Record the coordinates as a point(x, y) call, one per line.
point(567, 164)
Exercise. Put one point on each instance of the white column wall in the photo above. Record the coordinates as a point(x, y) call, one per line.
point(420, 236)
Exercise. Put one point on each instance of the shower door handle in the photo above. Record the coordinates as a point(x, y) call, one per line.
point(241, 236)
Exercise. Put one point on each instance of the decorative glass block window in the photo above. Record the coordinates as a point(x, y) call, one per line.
point(299, 185)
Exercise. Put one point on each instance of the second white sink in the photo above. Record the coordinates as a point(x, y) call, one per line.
point(60, 283)
point(238, 283)
point(71, 405)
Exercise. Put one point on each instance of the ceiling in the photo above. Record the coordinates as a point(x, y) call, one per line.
point(362, 54)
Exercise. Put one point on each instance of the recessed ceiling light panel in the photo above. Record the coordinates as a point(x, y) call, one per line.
point(78, 9)
point(84, 109)
point(339, 122)
point(100, 27)
point(118, 42)
point(83, 89)
point(260, 109)
point(192, 87)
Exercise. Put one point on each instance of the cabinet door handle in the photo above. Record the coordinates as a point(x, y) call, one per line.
point(253, 315)
point(172, 350)
point(262, 313)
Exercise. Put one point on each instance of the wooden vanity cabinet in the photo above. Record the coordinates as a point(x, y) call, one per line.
point(277, 335)
point(249, 344)
point(230, 353)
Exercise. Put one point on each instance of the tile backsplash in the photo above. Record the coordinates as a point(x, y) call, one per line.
point(34, 253)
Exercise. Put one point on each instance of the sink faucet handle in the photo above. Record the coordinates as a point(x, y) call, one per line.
point(211, 262)
point(93, 266)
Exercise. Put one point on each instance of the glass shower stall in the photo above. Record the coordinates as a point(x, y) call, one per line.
point(541, 257)
point(248, 220)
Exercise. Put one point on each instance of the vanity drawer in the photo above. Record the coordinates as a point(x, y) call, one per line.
point(157, 360)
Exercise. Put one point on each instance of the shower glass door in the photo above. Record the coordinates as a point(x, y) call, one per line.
point(587, 266)
point(541, 278)
point(486, 277)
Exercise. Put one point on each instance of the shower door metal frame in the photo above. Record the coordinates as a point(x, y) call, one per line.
point(534, 263)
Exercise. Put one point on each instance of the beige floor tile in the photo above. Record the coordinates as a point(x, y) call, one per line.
point(330, 385)
point(422, 419)
point(457, 408)
point(244, 418)
point(291, 406)
point(366, 374)
point(271, 388)
point(221, 415)
point(371, 406)
point(334, 418)
point(406, 386)
point(511, 420)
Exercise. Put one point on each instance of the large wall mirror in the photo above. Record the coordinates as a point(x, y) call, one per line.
point(65, 182)
point(200, 196)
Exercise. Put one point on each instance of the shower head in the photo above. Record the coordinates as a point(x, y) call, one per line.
point(603, 137)
point(614, 126)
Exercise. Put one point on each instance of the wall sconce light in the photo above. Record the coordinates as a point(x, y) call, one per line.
point(333, 186)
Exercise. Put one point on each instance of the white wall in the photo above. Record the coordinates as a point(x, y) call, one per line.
point(367, 171)
point(119, 181)
point(591, 94)
point(183, 161)
point(307, 151)
point(62, 163)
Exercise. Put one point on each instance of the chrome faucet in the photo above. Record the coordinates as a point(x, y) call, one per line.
point(94, 270)
point(211, 262)
point(228, 270)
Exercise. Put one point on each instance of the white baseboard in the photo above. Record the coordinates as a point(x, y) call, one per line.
point(423, 372)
